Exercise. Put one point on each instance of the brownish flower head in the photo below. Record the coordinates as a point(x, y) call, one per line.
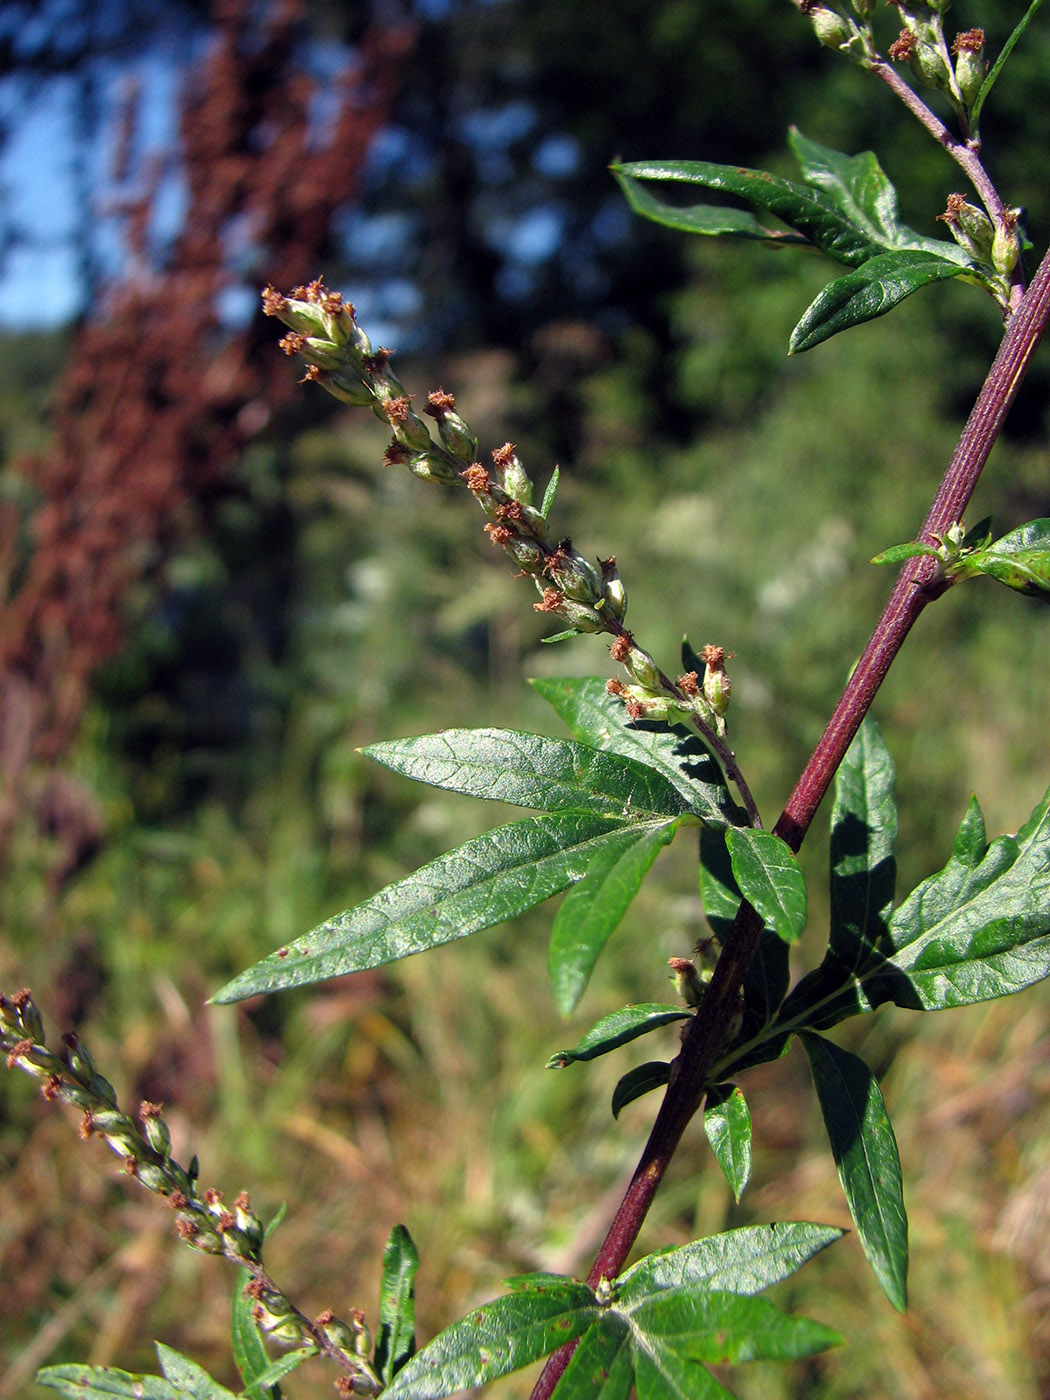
point(292, 343)
point(621, 647)
point(17, 1051)
point(224, 1222)
point(635, 710)
point(969, 41)
point(903, 46)
point(150, 1110)
point(499, 534)
point(273, 303)
point(477, 479)
point(439, 403)
point(615, 687)
point(501, 455)
point(552, 601)
point(185, 1229)
point(714, 657)
point(324, 1318)
point(87, 1124)
point(510, 510)
point(397, 409)
point(689, 684)
point(396, 455)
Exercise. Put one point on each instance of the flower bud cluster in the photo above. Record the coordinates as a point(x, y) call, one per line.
point(654, 697)
point(341, 360)
point(204, 1221)
point(958, 74)
point(584, 596)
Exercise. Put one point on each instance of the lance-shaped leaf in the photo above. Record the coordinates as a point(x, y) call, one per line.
point(182, 1380)
point(497, 1338)
point(727, 1123)
point(619, 1028)
point(594, 717)
point(746, 1260)
point(395, 1340)
point(873, 289)
point(491, 878)
point(592, 909)
point(810, 212)
point(977, 930)
point(529, 770)
point(768, 974)
point(1020, 560)
point(865, 1152)
point(768, 877)
point(863, 830)
point(654, 1074)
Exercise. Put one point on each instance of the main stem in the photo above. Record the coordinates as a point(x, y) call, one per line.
point(916, 586)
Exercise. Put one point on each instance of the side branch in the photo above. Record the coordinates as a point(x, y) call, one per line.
point(916, 586)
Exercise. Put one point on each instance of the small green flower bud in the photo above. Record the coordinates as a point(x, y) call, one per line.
point(970, 65)
point(687, 981)
point(832, 29)
point(432, 466)
point(1006, 245)
point(154, 1128)
point(970, 227)
point(346, 385)
point(26, 1017)
point(154, 1178)
point(613, 591)
point(643, 668)
point(455, 435)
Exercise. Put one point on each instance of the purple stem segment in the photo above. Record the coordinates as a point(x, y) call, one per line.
point(917, 585)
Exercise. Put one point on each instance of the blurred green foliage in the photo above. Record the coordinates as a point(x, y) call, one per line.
point(332, 603)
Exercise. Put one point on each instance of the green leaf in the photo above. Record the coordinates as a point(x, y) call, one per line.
point(182, 1380)
point(1020, 560)
point(592, 909)
point(188, 1378)
point(677, 1330)
point(395, 1340)
point(491, 878)
point(654, 1074)
point(277, 1370)
point(865, 1153)
point(996, 69)
point(595, 718)
point(666, 1316)
point(863, 830)
point(249, 1353)
point(768, 974)
point(874, 288)
point(813, 216)
point(550, 493)
point(565, 636)
point(768, 876)
point(105, 1383)
point(977, 930)
point(859, 188)
point(727, 1123)
point(746, 1260)
point(899, 553)
point(618, 1028)
point(602, 1366)
point(529, 770)
point(495, 1339)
